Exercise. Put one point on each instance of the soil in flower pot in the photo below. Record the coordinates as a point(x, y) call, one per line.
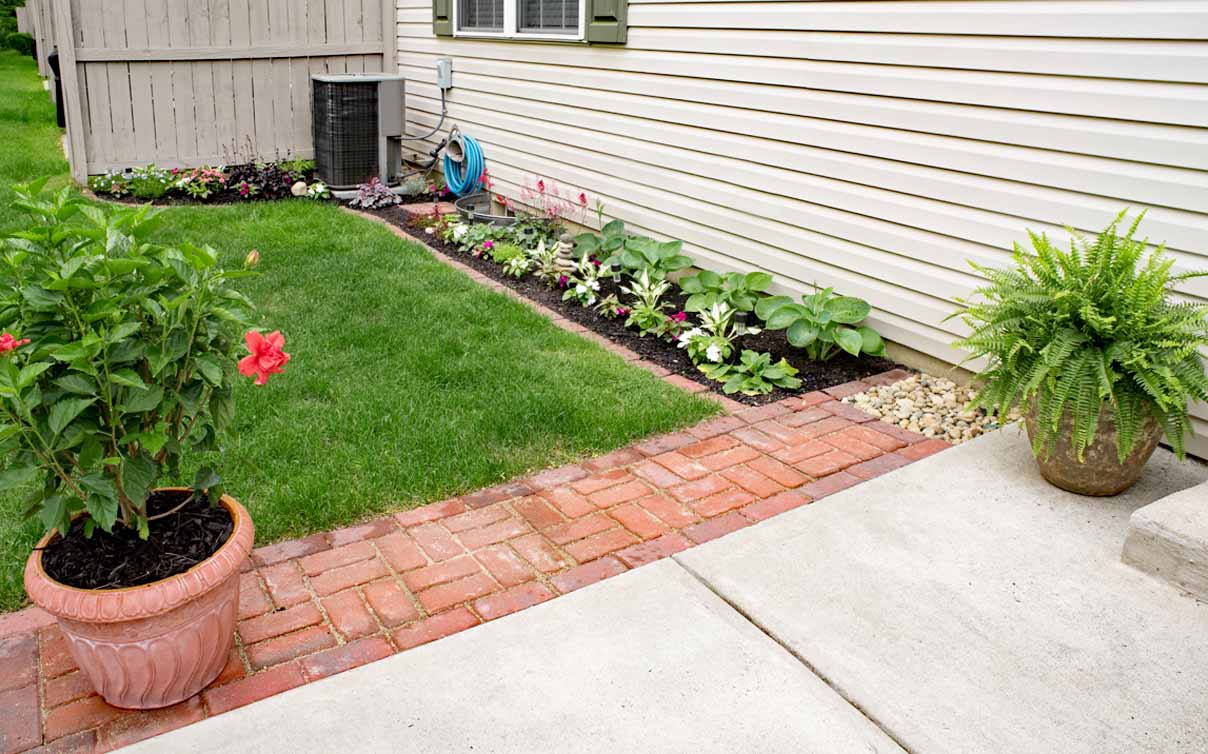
point(1100, 473)
point(121, 559)
point(144, 640)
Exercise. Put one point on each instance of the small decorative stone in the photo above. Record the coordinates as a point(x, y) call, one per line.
point(566, 252)
point(931, 406)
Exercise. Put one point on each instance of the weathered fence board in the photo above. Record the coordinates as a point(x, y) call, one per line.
point(191, 82)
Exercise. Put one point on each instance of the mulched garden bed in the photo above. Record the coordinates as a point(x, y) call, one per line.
point(813, 375)
point(177, 542)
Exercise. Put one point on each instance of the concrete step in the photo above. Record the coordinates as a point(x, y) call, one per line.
point(1169, 539)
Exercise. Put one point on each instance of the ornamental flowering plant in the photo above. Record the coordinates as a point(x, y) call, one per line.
point(118, 356)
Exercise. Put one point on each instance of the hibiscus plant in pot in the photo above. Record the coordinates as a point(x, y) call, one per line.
point(118, 357)
point(1094, 346)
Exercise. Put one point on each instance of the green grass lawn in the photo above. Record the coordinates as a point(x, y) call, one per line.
point(408, 384)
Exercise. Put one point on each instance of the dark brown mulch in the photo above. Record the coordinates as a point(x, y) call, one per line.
point(120, 559)
point(814, 375)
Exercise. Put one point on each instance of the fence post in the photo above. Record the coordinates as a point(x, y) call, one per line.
point(389, 36)
point(66, 41)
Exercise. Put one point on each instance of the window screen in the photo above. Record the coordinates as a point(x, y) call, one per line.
point(548, 16)
point(480, 15)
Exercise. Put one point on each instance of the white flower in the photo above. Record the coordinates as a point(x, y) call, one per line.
point(595, 285)
point(686, 337)
point(713, 353)
point(459, 231)
point(430, 230)
point(580, 289)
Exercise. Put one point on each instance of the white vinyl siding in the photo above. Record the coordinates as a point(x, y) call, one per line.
point(874, 146)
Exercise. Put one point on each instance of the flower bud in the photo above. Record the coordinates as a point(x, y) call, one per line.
point(252, 259)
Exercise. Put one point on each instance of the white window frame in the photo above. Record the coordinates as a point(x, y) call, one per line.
point(511, 14)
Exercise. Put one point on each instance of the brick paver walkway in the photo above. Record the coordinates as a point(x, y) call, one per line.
point(329, 602)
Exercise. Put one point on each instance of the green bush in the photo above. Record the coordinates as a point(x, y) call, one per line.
point(118, 357)
point(19, 41)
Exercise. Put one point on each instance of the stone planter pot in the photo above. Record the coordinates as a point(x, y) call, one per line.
point(1100, 473)
point(477, 208)
point(153, 645)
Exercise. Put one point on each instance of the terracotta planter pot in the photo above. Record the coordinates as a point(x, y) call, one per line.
point(1100, 472)
point(154, 645)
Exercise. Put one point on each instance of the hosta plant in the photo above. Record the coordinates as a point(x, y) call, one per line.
point(823, 324)
point(754, 374)
point(603, 246)
point(736, 290)
point(117, 358)
point(545, 264)
point(1092, 327)
point(648, 311)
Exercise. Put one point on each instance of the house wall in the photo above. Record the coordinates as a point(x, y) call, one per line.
point(873, 146)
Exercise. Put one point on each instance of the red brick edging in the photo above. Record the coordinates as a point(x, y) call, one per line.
point(329, 602)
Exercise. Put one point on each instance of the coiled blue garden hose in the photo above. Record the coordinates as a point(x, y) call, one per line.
point(464, 176)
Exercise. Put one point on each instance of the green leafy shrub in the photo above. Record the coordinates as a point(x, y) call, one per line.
point(823, 324)
point(20, 41)
point(501, 253)
point(754, 374)
point(118, 357)
point(734, 289)
point(1086, 329)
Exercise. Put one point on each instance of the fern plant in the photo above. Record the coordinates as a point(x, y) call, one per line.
point(1097, 325)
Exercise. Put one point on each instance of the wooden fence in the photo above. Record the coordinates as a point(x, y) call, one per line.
point(193, 82)
point(39, 23)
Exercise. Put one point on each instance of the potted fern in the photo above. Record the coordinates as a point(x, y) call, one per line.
point(1094, 348)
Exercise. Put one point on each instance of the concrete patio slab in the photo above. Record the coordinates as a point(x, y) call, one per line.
point(967, 606)
point(649, 661)
point(1170, 540)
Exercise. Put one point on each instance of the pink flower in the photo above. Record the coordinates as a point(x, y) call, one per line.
point(266, 356)
point(680, 317)
point(562, 281)
point(488, 244)
point(582, 199)
point(541, 185)
point(622, 311)
point(9, 343)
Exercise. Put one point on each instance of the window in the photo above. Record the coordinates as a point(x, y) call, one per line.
point(533, 19)
point(590, 21)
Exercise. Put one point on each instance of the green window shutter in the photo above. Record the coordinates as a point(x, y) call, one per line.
point(442, 18)
point(606, 21)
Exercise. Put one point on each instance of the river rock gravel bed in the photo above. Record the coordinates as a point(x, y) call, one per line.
point(932, 406)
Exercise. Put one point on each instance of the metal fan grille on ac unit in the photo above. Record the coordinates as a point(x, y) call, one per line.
point(346, 131)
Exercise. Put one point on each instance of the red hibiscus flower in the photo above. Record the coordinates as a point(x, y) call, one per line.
point(266, 358)
point(9, 343)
